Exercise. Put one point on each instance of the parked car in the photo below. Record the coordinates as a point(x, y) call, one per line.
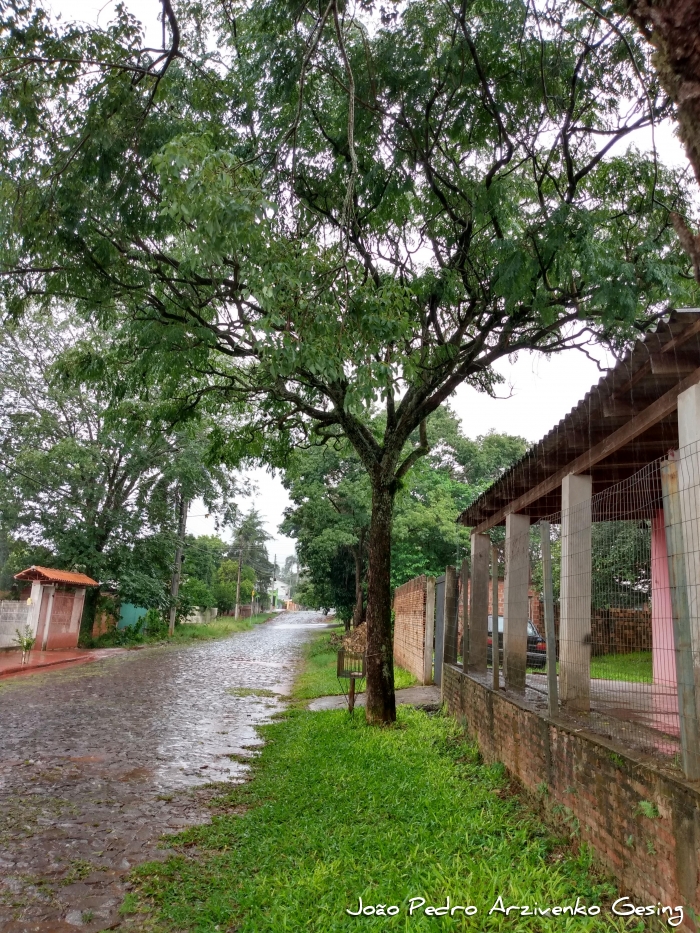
point(536, 645)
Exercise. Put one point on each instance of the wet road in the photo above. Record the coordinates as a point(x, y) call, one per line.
point(97, 762)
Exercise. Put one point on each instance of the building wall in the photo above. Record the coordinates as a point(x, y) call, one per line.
point(204, 616)
point(64, 626)
point(14, 616)
point(654, 858)
point(409, 625)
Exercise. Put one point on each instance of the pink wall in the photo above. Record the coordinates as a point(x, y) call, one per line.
point(663, 655)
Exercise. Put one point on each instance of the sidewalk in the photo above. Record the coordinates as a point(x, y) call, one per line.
point(427, 698)
point(11, 661)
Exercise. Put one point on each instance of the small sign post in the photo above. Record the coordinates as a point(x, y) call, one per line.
point(351, 667)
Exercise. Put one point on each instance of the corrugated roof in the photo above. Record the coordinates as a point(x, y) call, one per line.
point(49, 575)
point(656, 366)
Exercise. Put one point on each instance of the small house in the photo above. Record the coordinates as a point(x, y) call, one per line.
point(55, 605)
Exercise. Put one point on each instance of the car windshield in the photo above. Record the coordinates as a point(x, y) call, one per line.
point(531, 630)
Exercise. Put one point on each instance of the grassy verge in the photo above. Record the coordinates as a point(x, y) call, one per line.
point(635, 667)
point(337, 810)
point(219, 628)
point(319, 675)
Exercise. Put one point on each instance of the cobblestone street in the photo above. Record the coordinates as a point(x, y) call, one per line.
point(97, 762)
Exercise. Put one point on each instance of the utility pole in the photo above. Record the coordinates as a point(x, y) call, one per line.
point(292, 581)
point(237, 611)
point(274, 583)
point(177, 569)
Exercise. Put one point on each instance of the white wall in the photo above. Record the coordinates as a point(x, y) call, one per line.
point(14, 615)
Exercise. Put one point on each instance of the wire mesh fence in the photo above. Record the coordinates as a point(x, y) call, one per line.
point(623, 571)
point(594, 612)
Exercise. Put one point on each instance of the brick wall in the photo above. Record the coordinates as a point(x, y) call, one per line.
point(654, 859)
point(409, 625)
point(620, 631)
point(536, 609)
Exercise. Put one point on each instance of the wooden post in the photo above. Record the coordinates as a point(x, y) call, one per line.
point(495, 647)
point(479, 608)
point(429, 630)
point(575, 623)
point(515, 600)
point(550, 635)
point(682, 638)
point(450, 650)
point(351, 695)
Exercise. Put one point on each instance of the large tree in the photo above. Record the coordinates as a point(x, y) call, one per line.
point(90, 479)
point(321, 208)
point(672, 29)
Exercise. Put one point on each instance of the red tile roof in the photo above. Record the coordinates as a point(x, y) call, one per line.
point(48, 575)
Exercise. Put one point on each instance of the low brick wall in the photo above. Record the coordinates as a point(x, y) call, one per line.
point(409, 625)
point(654, 859)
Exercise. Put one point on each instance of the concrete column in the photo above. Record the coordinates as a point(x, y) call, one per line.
point(479, 604)
point(49, 590)
point(515, 602)
point(575, 624)
point(34, 607)
point(687, 691)
point(689, 493)
point(463, 643)
point(429, 630)
point(450, 655)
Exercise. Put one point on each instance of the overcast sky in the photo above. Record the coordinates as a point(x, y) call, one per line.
point(537, 394)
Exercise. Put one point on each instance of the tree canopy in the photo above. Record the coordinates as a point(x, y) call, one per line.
point(331, 510)
point(88, 479)
point(316, 208)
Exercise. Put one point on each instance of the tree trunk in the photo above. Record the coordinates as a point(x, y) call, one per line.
point(237, 610)
point(381, 701)
point(87, 620)
point(672, 28)
point(359, 595)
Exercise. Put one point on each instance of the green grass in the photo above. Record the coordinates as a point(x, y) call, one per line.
point(319, 676)
point(338, 810)
point(219, 628)
point(251, 692)
point(635, 667)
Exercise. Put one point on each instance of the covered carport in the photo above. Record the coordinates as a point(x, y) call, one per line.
point(637, 429)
